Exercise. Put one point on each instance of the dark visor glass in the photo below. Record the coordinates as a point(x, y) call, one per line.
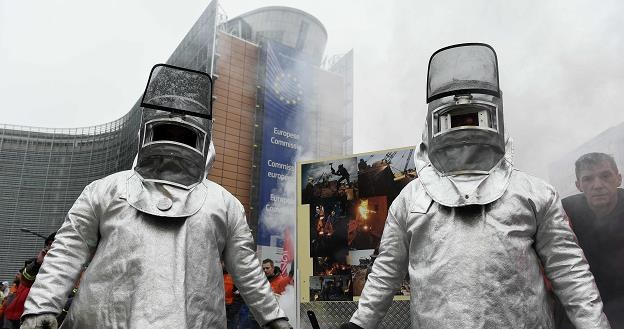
point(173, 132)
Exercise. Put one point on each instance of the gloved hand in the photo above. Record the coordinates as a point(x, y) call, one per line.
point(350, 325)
point(39, 321)
point(278, 324)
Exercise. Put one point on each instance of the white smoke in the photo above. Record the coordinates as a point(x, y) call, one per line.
point(282, 215)
point(280, 218)
point(288, 303)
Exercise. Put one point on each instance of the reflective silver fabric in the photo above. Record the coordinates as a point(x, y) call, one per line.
point(42, 321)
point(148, 271)
point(478, 266)
point(464, 189)
point(164, 200)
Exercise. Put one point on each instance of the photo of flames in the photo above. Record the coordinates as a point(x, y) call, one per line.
point(366, 227)
point(328, 226)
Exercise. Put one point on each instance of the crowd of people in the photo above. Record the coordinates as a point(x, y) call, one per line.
point(14, 296)
point(477, 237)
point(596, 216)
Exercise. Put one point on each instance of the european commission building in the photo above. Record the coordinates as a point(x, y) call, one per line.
point(44, 170)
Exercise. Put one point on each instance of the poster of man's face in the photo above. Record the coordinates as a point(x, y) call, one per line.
point(328, 179)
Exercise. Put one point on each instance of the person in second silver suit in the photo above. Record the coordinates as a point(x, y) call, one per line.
point(476, 235)
point(154, 235)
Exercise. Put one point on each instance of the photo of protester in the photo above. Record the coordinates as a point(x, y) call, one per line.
point(348, 201)
point(361, 262)
point(331, 288)
point(385, 173)
point(328, 226)
point(327, 179)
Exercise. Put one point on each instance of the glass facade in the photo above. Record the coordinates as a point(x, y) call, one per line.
point(343, 66)
point(291, 27)
point(196, 51)
point(43, 171)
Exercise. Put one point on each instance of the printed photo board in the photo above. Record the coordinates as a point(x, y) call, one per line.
point(342, 206)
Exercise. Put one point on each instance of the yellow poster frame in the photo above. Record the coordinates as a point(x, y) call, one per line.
point(303, 260)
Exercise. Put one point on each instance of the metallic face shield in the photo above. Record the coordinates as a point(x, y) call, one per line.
point(176, 126)
point(465, 117)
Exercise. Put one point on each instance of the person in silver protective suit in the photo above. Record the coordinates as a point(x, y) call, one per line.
point(474, 233)
point(154, 236)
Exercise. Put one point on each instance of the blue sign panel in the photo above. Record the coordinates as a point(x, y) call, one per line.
point(286, 82)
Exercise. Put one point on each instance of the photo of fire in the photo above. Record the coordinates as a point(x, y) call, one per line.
point(335, 265)
point(366, 227)
point(328, 226)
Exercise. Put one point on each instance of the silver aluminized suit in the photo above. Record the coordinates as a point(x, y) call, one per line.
point(476, 263)
point(149, 271)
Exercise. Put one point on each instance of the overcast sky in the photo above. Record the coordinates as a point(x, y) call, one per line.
point(77, 63)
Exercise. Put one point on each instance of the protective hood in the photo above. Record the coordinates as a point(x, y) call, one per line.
point(463, 190)
point(176, 124)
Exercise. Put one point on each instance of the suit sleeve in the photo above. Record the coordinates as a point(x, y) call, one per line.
point(388, 272)
point(242, 263)
point(71, 249)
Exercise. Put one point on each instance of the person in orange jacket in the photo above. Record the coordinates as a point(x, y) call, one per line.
point(8, 298)
point(274, 275)
point(14, 310)
point(233, 300)
point(276, 279)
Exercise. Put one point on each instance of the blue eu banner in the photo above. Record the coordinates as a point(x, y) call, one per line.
point(286, 82)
